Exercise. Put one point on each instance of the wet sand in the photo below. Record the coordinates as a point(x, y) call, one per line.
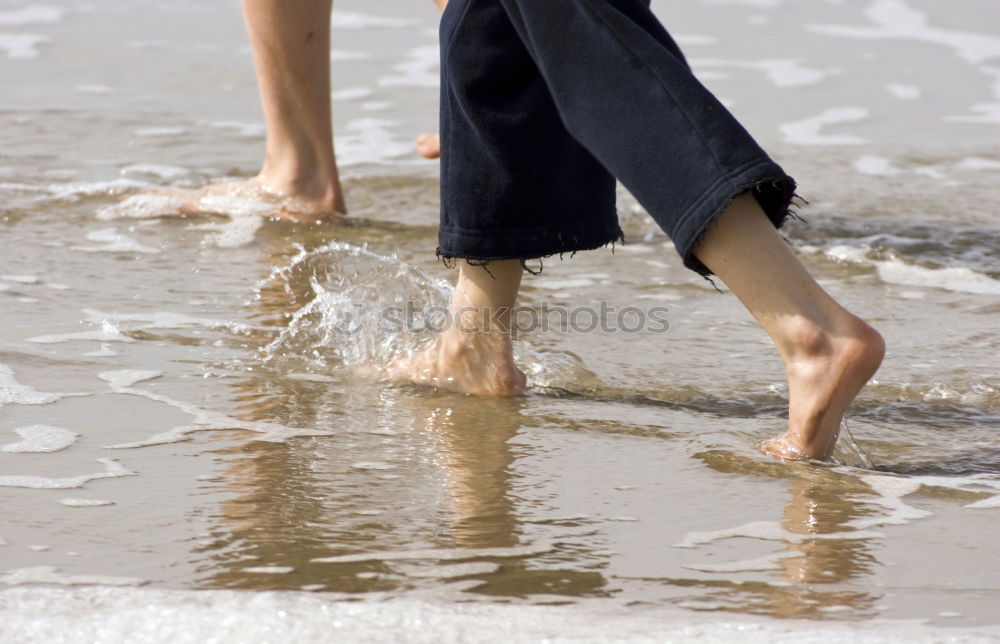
point(181, 416)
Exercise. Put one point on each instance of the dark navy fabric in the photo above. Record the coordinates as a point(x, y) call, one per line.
point(545, 102)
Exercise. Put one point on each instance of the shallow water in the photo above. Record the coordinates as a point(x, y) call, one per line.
point(182, 410)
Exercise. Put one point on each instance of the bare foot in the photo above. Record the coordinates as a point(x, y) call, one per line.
point(825, 374)
point(466, 362)
point(252, 197)
point(429, 146)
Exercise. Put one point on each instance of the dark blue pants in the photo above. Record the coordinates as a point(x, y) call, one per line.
point(545, 102)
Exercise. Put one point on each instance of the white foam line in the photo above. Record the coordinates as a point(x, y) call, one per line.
point(419, 70)
point(110, 331)
point(113, 469)
point(895, 19)
point(809, 131)
point(21, 46)
point(876, 166)
point(85, 503)
point(992, 502)
point(783, 72)
point(41, 438)
point(127, 377)
point(442, 554)
point(889, 493)
point(767, 531)
point(114, 242)
point(205, 420)
point(50, 575)
point(760, 564)
point(13, 392)
point(31, 15)
point(357, 20)
point(976, 163)
point(904, 92)
point(761, 4)
point(958, 279)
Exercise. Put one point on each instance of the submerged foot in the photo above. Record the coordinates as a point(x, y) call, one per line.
point(825, 374)
point(470, 363)
point(251, 197)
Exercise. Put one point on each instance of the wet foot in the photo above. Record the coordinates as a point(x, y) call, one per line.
point(252, 197)
point(466, 362)
point(825, 373)
point(429, 146)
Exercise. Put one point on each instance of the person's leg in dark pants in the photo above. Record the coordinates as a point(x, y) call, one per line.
point(622, 91)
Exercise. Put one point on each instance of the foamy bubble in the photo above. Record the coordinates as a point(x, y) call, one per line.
point(78, 190)
point(876, 166)
point(694, 40)
point(104, 352)
point(160, 131)
point(372, 465)
point(976, 163)
point(143, 206)
point(809, 131)
point(127, 377)
point(242, 226)
point(894, 19)
point(356, 20)
point(376, 106)
point(85, 503)
point(20, 279)
point(41, 438)
point(904, 92)
point(420, 69)
point(767, 531)
point(351, 93)
point(759, 564)
point(13, 392)
point(991, 502)
point(21, 46)
point(895, 271)
point(269, 570)
point(443, 554)
point(249, 130)
point(761, 4)
point(96, 614)
point(30, 15)
point(114, 242)
point(342, 55)
point(51, 576)
point(166, 172)
point(112, 469)
point(370, 140)
point(889, 493)
point(783, 72)
point(94, 89)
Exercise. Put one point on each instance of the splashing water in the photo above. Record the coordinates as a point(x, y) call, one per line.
point(365, 308)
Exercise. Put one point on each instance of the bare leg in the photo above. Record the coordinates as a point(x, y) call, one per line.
point(299, 178)
point(291, 51)
point(474, 354)
point(829, 353)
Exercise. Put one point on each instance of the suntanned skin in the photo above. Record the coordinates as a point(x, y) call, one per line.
point(829, 353)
